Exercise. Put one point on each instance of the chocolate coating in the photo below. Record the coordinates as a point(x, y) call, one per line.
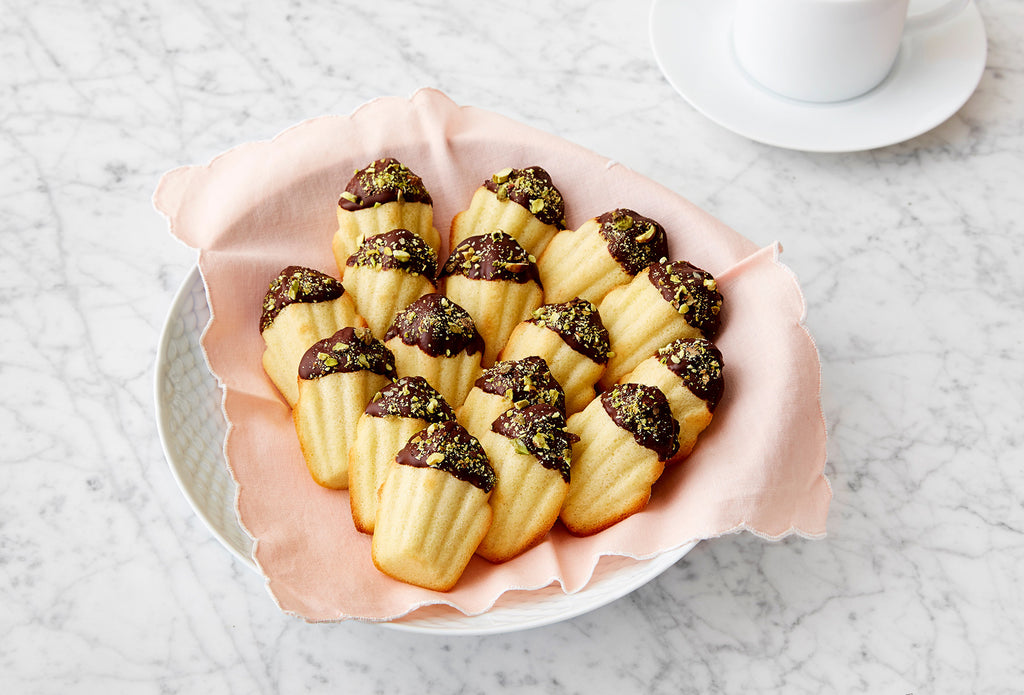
point(383, 181)
point(438, 326)
point(533, 189)
point(398, 249)
point(447, 446)
point(691, 291)
point(297, 284)
point(634, 241)
point(579, 324)
point(539, 430)
point(411, 397)
point(348, 350)
point(494, 256)
point(698, 362)
point(524, 382)
point(643, 411)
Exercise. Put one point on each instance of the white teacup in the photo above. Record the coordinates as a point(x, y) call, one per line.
point(826, 50)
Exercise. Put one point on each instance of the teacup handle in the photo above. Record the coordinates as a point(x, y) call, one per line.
point(934, 17)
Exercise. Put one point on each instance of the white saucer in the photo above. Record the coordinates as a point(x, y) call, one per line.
point(936, 72)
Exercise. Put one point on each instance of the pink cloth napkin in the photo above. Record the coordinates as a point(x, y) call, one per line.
point(265, 205)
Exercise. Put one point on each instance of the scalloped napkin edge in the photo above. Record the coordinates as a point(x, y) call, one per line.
point(264, 205)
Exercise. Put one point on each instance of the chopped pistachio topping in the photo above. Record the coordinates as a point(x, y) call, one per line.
point(297, 284)
point(447, 446)
point(645, 236)
point(524, 382)
point(495, 256)
point(579, 325)
point(348, 350)
point(383, 181)
point(634, 241)
point(698, 362)
point(533, 189)
point(691, 291)
point(398, 249)
point(438, 326)
point(411, 397)
point(539, 431)
point(644, 412)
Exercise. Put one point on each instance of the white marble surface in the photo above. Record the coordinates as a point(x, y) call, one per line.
point(910, 257)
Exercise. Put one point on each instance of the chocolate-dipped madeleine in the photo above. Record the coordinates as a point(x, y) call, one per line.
point(572, 339)
point(433, 510)
point(387, 273)
point(493, 278)
point(337, 378)
point(382, 196)
point(301, 306)
point(531, 452)
point(437, 339)
point(524, 203)
point(625, 437)
point(395, 413)
point(605, 252)
point(664, 302)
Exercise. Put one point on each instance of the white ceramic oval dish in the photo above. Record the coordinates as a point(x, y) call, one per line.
point(192, 428)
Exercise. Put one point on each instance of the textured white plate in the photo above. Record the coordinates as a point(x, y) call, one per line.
point(192, 429)
point(936, 72)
